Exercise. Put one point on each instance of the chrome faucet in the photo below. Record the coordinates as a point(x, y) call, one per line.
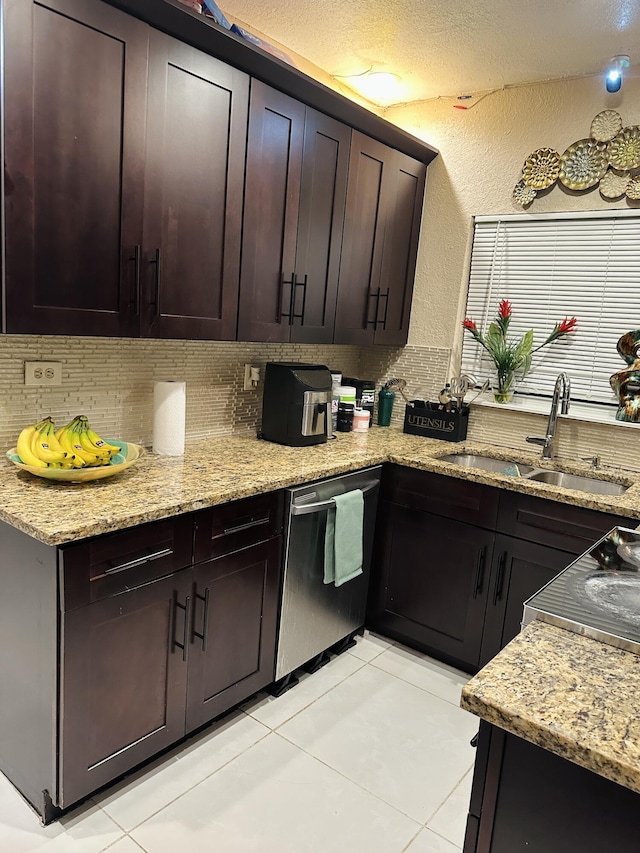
point(561, 394)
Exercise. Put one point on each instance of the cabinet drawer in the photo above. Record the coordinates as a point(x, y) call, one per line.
point(227, 528)
point(460, 500)
point(117, 562)
point(568, 528)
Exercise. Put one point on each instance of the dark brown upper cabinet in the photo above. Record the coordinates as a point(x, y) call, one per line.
point(196, 132)
point(296, 178)
point(380, 244)
point(109, 125)
point(75, 104)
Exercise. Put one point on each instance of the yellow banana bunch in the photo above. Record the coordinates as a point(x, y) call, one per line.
point(74, 445)
point(77, 437)
point(38, 446)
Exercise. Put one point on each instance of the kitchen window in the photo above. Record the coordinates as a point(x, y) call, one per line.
point(552, 266)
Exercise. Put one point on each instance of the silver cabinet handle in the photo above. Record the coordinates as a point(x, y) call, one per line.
point(318, 506)
point(139, 561)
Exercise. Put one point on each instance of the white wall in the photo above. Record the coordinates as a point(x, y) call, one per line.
point(482, 150)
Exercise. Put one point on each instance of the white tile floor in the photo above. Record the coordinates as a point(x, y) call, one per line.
point(368, 755)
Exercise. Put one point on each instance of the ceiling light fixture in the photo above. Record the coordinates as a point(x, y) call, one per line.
point(615, 68)
point(379, 87)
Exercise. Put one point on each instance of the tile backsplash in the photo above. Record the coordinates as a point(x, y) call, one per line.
point(111, 380)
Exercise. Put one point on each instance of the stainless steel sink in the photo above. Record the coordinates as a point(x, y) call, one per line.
point(509, 467)
point(577, 483)
point(487, 463)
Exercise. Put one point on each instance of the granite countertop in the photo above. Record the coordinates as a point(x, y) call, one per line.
point(573, 696)
point(225, 469)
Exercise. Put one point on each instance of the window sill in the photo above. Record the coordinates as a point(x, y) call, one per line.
point(577, 411)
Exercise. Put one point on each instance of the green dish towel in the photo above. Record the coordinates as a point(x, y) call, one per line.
point(343, 538)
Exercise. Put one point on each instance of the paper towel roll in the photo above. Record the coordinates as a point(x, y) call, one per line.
point(169, 410)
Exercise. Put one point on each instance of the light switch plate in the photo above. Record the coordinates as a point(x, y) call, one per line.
point(45, 373)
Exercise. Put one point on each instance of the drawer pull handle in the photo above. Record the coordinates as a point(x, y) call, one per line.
point(246, 526)
point(139, 561)
point(205, 619)
point(497, 592)
point(185, 630)
point(477, 587)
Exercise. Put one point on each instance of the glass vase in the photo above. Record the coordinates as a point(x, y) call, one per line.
point(503, 392)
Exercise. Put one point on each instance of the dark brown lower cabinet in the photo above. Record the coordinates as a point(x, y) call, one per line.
point(123, 683)
point(527, 799)
point(432, 583)
point(233, 632)
point(519, 569)
point(124, 643)
point(446, 577)
point(143, 668)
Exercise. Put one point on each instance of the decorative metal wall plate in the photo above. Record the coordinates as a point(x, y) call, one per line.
point(583, 164)
point(522, 194)
point(541, 168)
point(624, 150)
point(606, 125)
point(614, 184)
point(633, 188)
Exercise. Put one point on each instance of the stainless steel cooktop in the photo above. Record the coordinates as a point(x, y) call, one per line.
point(598, 595)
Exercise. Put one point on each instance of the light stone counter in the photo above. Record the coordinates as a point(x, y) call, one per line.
point(573, 696)
point(225, 469)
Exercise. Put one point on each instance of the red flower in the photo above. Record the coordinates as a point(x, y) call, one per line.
point(469, 324)
point(505, 309)
point(567, 325)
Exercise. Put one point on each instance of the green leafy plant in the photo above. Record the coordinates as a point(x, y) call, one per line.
point(513, 357)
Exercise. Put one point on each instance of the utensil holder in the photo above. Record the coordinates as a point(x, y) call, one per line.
point(429, 420)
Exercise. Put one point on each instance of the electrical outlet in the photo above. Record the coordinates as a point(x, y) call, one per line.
point(251, 377)
point(46, 373)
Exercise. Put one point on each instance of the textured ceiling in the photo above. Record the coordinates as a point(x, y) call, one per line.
point(449, 49)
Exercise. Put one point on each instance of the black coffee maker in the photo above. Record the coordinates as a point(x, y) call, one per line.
point(296, 403)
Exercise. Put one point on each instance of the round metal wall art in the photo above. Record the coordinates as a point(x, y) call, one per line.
point(606, 125)
point(624, 150)
point(610, 158)
point(614, 184)
point(522, 194)
point(633, 188)
point(583, 164)
point(541, 168)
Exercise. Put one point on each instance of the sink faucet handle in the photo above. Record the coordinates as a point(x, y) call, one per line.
point(538, 439)
point(594, 460)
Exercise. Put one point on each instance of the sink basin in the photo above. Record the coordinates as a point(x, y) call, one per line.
point(486, 463)
point(580, 484)
point(590, 485)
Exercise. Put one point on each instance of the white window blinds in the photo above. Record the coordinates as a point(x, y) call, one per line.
point(584, 265)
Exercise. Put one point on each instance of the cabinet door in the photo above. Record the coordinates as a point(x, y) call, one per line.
point(319, 239)
point(430, 584)
point(75, 101)
point(196, 132)
point(233, 634)
point(403, 215)
point(382, 222)
point(519, 570)
point(123, 682)
point(272, 196)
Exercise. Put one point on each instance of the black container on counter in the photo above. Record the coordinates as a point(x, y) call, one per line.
point(432, 421)
point(345, 417)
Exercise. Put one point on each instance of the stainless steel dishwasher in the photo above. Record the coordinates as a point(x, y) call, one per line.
point(315, 616)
